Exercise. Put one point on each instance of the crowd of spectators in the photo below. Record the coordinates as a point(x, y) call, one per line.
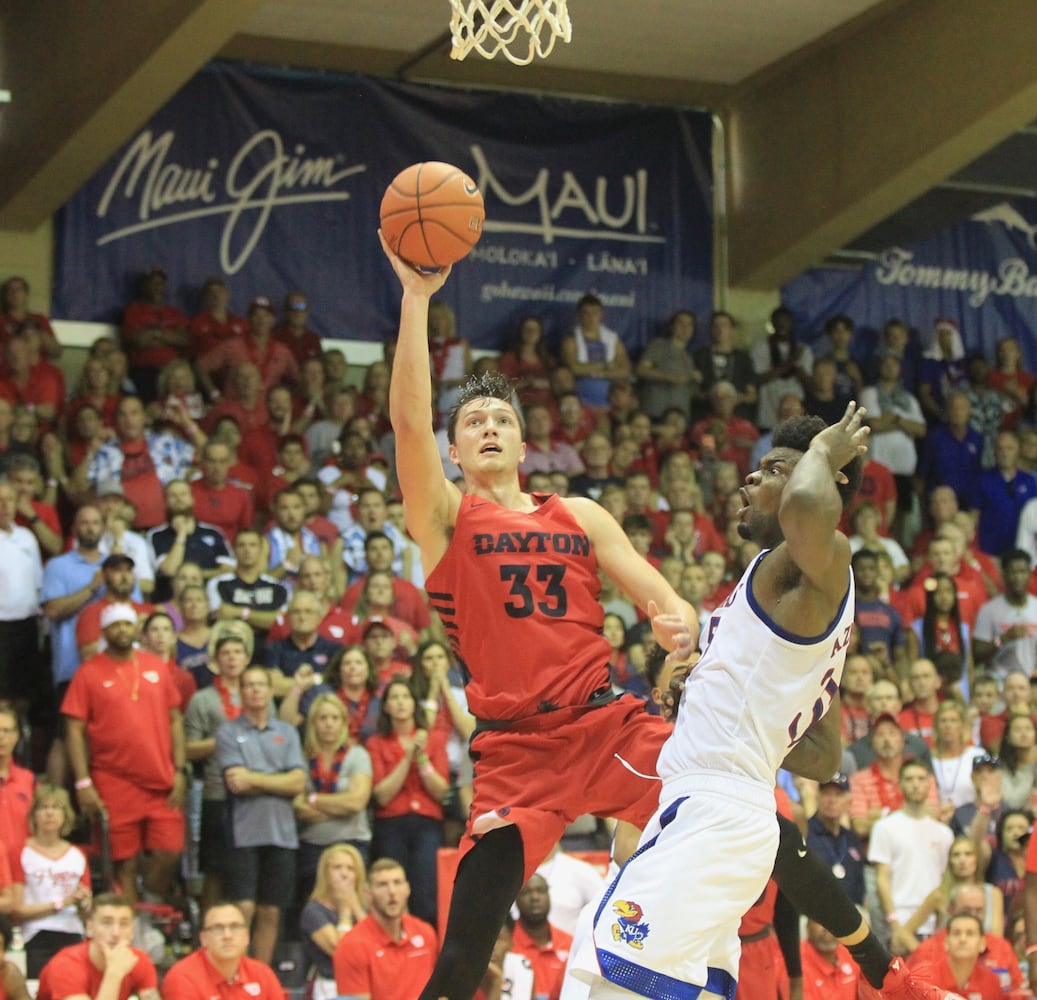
point(214, 632)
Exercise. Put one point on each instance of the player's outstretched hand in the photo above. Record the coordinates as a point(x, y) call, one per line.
point(847, 439)
point(413, 280)
point(672, 633)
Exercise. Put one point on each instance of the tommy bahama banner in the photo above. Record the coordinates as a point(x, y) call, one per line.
point(273, 179)
point(981, 273)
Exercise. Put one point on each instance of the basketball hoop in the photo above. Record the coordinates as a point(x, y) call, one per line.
point(492, 26)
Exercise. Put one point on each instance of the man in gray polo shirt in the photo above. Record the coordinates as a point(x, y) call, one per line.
point(263, 769)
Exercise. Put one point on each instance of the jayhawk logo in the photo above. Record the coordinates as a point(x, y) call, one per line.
point(628, 927)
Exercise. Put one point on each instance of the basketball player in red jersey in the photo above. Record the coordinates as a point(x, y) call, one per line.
point(514, 578)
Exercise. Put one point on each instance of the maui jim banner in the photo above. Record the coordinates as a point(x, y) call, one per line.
point(981, 273)
point(273, 180)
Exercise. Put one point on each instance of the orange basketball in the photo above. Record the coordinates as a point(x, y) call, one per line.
point(432, 214)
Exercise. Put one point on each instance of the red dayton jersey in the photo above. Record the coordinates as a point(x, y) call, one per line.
point(518, 595)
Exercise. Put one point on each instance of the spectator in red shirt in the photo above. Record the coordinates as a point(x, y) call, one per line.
point(546, 947)
point(23, 473)
point(216, 500)
point(389, 955)
point(126, 744)
point(15, 316)
point(274, 361)
point(244, 402)
point(221, 969)
point(106, 966)
point(917, 715)
point(293, 332)
point(16, 787)
point(119, 584)
point(408, 603)
point(153, 333)
point(998, 955)
point(215, 323)
point(733, 436)
point(259, 445)
point(39, 387)
point(972, 594)
point(960, 969)
point(829, 972)
point(410, 773)
point(878, 487)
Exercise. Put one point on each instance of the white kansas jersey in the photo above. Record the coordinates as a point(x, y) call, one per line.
point(756, 690)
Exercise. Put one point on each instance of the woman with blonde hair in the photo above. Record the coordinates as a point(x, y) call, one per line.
point(962, 869)
point(333, 808)
point(51, 880)
point(334, 908)
point(952, 758)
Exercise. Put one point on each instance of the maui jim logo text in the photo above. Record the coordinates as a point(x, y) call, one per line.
point(260, 177)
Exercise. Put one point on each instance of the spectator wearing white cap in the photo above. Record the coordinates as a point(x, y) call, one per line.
point(126, 744)
point(119, 578)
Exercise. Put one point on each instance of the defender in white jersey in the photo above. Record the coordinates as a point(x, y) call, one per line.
point(668, 926)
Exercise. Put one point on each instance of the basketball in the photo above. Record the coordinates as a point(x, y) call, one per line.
point(432, 214)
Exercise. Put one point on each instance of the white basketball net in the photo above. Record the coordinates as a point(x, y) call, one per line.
point(521, 29)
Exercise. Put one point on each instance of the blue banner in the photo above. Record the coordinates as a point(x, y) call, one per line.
point(273, 180)
point(981, 273)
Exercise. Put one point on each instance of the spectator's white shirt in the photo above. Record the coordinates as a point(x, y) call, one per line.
point(573, 883)
point(22, 574)
point(916, 852)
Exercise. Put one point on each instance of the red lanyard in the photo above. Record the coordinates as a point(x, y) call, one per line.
point(327, 781)
point(230, 710)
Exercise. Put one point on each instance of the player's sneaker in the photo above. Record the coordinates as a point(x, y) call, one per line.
point(902, 984)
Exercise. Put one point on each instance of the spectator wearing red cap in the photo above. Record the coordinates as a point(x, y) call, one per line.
point(875, 790)
point(153, 333)
point(126, 745)
point(274, 361)
point(380, 641)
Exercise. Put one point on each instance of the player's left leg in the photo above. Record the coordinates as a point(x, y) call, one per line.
point(488, 880)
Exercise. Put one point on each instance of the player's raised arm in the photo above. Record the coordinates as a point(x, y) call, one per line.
point(427, 495)
point(675, 623)
point(811, 506)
